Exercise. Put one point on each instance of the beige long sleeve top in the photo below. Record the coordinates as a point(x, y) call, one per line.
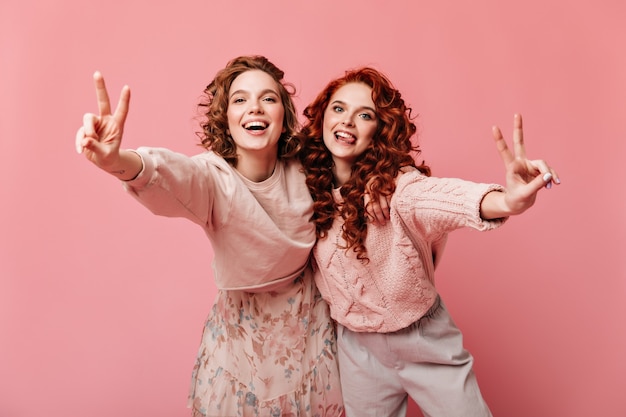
point(260, 232)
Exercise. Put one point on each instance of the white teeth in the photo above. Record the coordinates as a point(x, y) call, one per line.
point(255, 125)
point(344, 135)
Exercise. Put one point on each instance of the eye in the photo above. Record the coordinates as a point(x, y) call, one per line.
point(270, 99)
point(366, 116)
point(337, 109)
point(237, 100)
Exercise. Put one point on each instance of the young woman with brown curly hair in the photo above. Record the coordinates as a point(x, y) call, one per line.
point(395, 337)
point(268, 347)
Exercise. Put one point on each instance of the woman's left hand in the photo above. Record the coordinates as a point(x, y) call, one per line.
point(524, 177)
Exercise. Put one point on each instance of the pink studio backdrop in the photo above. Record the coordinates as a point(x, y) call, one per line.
point(102, 304)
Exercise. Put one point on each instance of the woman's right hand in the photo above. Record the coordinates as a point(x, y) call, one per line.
point(100, 136)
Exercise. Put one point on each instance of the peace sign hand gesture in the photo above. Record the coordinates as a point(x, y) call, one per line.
point(100, 136)
point(524, 177)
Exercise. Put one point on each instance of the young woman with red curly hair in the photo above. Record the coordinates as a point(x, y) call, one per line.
point(395, 336)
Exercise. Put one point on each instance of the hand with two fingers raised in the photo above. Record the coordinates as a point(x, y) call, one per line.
point(524, 177)
point(100, 136)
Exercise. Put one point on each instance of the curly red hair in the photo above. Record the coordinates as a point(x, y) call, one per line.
point(374, 170)
point(214, 134)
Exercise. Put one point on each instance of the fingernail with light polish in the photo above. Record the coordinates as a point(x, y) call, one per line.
point(547, 177)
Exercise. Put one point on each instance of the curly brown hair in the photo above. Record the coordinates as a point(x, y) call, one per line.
point(375, 170)
point(214, 135)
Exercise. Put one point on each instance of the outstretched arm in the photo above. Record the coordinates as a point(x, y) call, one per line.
point(524, 178)
point(100, 136)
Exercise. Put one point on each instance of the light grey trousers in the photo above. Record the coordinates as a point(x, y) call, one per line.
point(425, 361)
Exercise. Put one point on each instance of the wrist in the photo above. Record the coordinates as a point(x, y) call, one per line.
point(494, 205)
point(129, 165)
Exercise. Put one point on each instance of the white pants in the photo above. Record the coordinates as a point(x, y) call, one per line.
point(426, 361)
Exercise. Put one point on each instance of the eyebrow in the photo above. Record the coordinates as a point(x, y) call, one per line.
point(360, 108)
point(264, 92)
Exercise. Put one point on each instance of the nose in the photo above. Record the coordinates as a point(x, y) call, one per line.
point(255, 107)
point(347, 120)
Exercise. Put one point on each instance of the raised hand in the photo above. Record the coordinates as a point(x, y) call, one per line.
point(100, 136)
point(524, 178)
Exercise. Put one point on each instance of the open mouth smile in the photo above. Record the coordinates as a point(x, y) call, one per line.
point(345, 137)
point(255, 126)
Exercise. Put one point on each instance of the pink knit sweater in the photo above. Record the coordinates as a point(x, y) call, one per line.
point(396, 288)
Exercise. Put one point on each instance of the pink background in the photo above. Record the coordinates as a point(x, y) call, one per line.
point(102, 304)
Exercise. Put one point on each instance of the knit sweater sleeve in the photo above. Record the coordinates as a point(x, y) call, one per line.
point(433, 207)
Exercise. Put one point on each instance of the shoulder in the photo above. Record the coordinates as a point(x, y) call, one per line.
point(411, 177)
point(292, 169)
point(291, 164)
point(211, 158)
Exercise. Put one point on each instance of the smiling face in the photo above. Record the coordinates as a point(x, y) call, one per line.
point(255, 114)
point(349, 124)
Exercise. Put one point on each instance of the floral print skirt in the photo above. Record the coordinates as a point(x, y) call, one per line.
point(268, 354)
